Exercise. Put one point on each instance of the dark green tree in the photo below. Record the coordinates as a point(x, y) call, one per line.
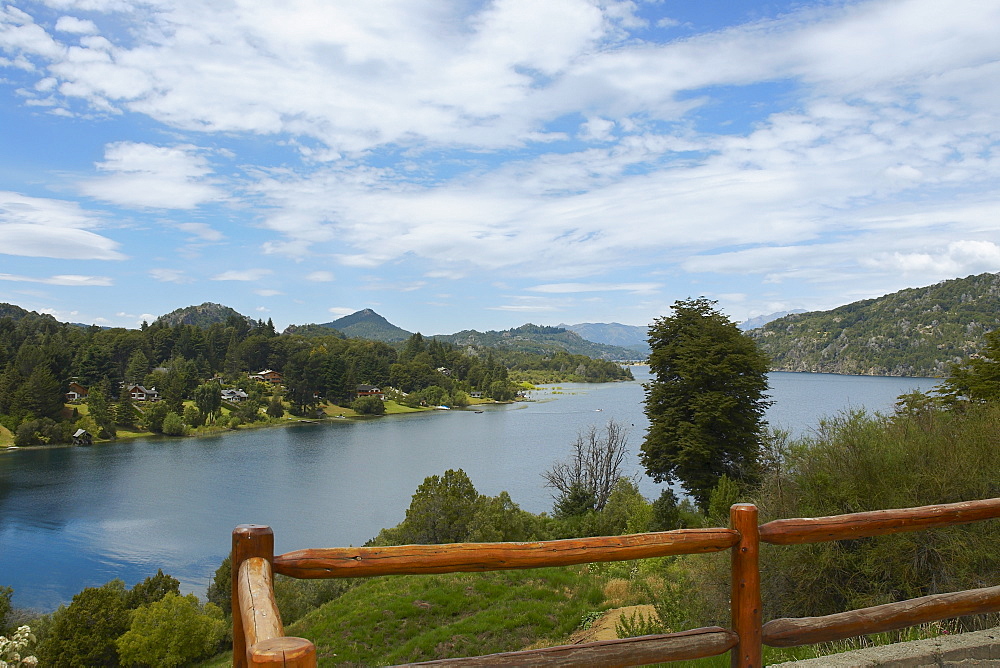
point(977, 379)
point(706, 404)
point(441, 509)
point(83, 633)
point(275, 408)
point(208, 398)
point(152, 589)
point(100, 410)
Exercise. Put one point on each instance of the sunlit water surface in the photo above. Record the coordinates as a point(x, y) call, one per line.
point(77, 517)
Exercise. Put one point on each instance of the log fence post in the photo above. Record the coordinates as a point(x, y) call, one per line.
point(249, 540)
point(745, 601)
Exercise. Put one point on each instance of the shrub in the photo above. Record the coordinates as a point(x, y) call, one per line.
point(173, 631)
point(173, 425)
point(368, 406)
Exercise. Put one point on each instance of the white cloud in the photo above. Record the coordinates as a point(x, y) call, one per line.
point(321, 276)
point(242, 275)
point(268, 293)
point(341, 310)
point(37, 227)
point(565, 288)
point(143, 175)
point(170, 275)
point(76, 26)
point(201, 231)
point(61, 279)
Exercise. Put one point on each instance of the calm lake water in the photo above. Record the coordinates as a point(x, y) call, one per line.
point(77, 517)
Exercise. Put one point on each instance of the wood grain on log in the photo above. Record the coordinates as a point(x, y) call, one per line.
point(283, 653)
point(642, 650)
point(877, 522)
point(470, 557)
point(258, 610)
point(887, 617)
point(745, 605)
point(249, 540)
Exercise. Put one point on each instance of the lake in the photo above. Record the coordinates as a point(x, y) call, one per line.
point(77, 517)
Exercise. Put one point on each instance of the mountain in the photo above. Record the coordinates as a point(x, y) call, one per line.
point(614, 334)
point(367, 324)
point(536, 339)
point(15, 312)
point(913, 332)
point(761, 320)
point(204, 315)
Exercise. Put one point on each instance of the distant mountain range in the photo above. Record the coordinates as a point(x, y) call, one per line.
point(913, 332)
point(761, 320)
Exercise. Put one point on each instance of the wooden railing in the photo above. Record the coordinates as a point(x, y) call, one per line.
point(259, 640)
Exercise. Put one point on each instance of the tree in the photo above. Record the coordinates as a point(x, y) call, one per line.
point(84, 632)
point(441, 509)
point(208, 398)
point(706, 405)
point(585, 480)
point(368, 406)
point(100, 410)
point(174, 631)
point(275, 408)
point(977, 379)
point(6, 593)
point(173, 425)
point(152, 589)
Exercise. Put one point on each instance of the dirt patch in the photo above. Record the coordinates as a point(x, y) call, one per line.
point(604, 627)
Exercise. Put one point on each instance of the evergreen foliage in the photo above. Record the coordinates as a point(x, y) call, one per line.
point(706, 405)
point(913, 332)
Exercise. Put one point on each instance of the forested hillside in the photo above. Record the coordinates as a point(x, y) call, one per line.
point(182, 369)
point(913, 332)
point(539, 340)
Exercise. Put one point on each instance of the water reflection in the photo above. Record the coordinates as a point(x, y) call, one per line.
point(77, 517)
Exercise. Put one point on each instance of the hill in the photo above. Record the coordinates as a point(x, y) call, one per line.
point(363, 324)
point(17, 313)
point(913, 332)
point(539, 340)
point(632, 337)
point(204, 315)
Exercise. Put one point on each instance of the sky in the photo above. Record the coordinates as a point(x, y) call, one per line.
point(480, 165)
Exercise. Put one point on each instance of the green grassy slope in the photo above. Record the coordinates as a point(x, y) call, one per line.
point(401, 619)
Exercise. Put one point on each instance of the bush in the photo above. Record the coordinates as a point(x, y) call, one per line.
point(173, 425)
point(858, 462)
point(368, 406)
point(174, 631)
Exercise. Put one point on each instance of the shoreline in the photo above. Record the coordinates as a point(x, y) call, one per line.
point(266, 424)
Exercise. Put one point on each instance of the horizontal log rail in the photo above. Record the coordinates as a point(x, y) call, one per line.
point(686, 645)
point(792, 632)
point(473, 557)
point(254, 612)
point(877, 522)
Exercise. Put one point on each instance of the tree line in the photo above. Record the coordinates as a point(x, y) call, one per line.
point(40, 356)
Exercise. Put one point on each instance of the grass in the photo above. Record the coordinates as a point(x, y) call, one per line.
point(404, 619)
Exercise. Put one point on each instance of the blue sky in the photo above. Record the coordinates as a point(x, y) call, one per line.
point(459, 165)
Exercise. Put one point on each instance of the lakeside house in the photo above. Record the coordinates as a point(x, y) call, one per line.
point(268, 376)
point(140, 393)
point(234, 396)
point(76, 392)
point(369, 391)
